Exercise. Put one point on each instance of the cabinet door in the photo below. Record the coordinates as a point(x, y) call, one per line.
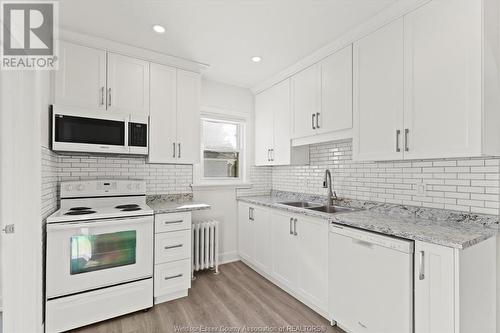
point(306, 91)
point(282, 124)
point(163, 115)
point(284, 250)
point(336, 92)
point(246, 233)
point(378, 94)
point(128, 85)
point(188, 117)
point(262, 227)
point(264, 127)
point(81, 78)
point(443, 100)
point(434, 289)
point(312, 236)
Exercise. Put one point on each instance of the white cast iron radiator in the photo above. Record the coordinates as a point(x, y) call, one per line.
point(206, 245)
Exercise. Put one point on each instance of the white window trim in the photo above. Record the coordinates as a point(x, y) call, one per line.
point(199, 181)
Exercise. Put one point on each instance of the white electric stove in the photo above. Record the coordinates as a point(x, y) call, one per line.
point(99, 260)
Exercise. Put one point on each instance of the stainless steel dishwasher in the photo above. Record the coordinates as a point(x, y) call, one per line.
point(370, 281)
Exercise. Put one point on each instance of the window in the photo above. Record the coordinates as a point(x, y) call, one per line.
point(221, 149)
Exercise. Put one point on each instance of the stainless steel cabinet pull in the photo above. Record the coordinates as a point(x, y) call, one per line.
point(173, 145)
point(295, 227)
point(172, 277)
point(291, 221)
point(250, 214)
point(173, 222)
point(272, 155)
point(421, 269)
point(102, 96)
point(313, 126)
point(398, 134)
point(268, 155)
point(407, 131)
point(109, 96)
point(317, 120)
point(179, 145)
point(172, 246)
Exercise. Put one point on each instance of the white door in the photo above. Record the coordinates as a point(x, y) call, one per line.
point(246, 233)
point(188, 117)
point(264, 127)
point(306, 95)
point(128, 85)
point(262, 227)
point(312, 236)
point(81, 78)
point(434, 290)
point(336, 92)
point(443, 66)
point(280, 154)
point(284, 249)
point(163, 115)
point(378, 94)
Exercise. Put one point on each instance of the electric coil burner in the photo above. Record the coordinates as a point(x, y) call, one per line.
point(79, 212)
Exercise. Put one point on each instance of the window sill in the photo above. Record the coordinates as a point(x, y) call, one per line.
point(222, 185)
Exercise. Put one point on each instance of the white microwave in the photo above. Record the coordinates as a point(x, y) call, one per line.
point(80, 130)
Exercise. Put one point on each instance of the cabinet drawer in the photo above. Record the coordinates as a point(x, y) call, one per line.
point(172, 222)
point(171, 246)
point(172, 277)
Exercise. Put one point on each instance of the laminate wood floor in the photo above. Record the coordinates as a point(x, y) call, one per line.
point(237, 297)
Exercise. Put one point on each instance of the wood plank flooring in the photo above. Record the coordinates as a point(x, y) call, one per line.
point(237, 297)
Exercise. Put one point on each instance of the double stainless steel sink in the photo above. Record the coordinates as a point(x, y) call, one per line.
point(318, 207)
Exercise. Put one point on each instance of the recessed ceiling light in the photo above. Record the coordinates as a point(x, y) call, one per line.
point(159, 28)
point(256, 59)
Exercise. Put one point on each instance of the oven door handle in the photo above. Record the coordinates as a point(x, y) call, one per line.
point(101, 223)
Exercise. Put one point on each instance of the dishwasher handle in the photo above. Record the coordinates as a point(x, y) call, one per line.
point(421, 266)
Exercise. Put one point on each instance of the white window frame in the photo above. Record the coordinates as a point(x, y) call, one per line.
point(220, 115)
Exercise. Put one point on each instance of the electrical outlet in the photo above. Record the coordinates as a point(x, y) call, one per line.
point(422, 189)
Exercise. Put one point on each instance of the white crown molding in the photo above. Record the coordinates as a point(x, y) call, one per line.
point(130, 50)
point(384, 17)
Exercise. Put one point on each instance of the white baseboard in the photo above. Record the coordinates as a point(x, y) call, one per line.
point(228, 257)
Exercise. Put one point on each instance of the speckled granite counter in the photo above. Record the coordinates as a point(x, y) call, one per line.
point(448, 228)
point(174, 203)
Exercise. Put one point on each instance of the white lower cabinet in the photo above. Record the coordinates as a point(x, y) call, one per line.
point(291, 250)
point(172, 271)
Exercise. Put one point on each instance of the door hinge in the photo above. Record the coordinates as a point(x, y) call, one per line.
point(9, 229)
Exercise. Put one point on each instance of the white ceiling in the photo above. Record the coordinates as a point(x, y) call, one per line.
point(223, 33)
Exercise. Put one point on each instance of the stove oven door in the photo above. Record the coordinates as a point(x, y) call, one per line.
point(89, 255)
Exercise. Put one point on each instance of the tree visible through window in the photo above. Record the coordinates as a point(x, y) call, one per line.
point(221, 148)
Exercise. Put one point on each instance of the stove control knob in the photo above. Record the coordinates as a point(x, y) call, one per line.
point(80, 187)
point(69, 188)
point(129, 186)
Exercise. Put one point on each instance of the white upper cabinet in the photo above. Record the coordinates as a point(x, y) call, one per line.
point(174, 116)
point(81, 78)
point(336, 92)
point(128, 85)
point(306, 95)
point(163, 115)
point(273, 128)
point(378, 94)
point(449, 84)
point(443, 79)
point(188, 117)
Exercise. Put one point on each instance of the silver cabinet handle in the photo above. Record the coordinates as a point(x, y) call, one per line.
point(272, 155)
point(179, 152)
point(173, 222)
point(173, 145)
point(295, 227)
point(407, 131)
point(421, 266)
point(172, 277)
point(291, 221)
point(102, 96)
point(317, 120)
point(109, 96)
point(250, 214)
point(313, 115)
point(269, 155)
point(398, 134)
point(172, 246)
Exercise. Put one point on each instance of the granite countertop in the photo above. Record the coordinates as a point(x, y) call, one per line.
point(175, 203)
point(443, 227)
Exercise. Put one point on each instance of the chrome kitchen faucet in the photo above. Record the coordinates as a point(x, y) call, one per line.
point(327, 183)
